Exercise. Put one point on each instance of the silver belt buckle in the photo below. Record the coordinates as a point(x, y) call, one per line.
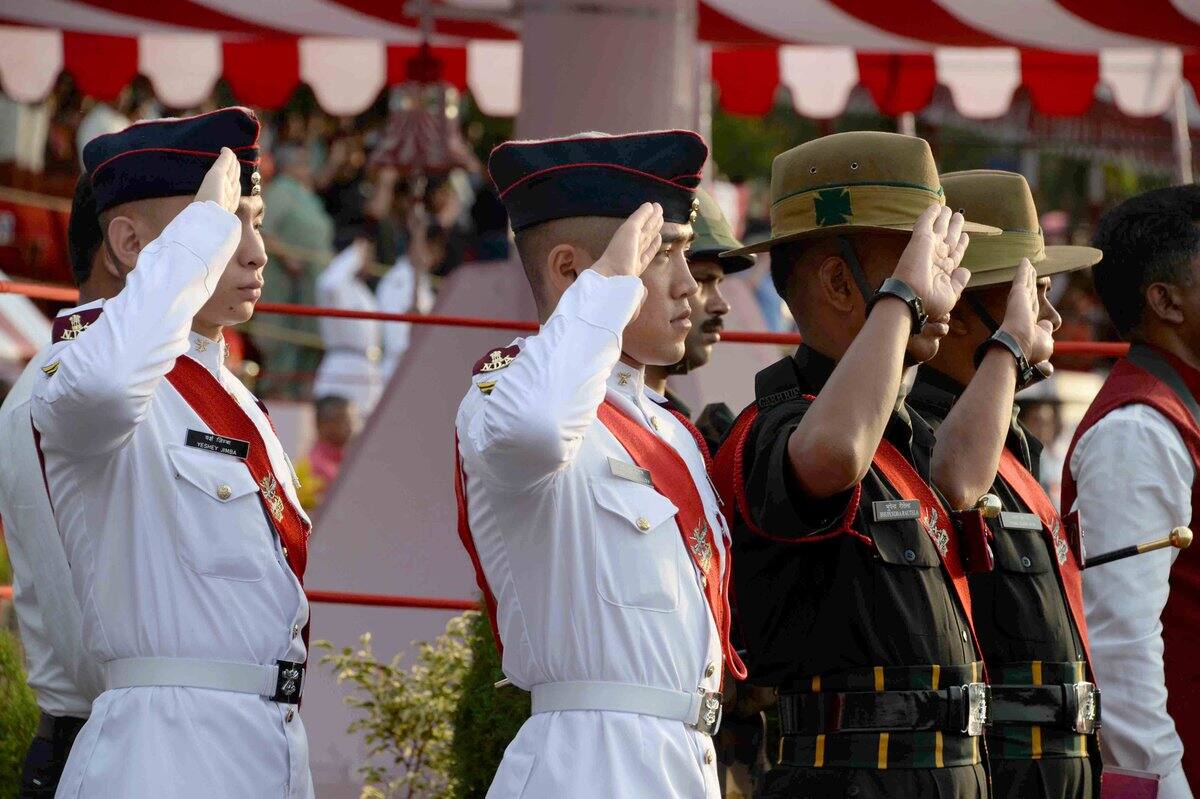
point(1087, 708)
point(711, 713)
point(976, 696)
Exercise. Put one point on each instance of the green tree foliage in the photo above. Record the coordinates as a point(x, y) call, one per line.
point(405, 714)
point(487, 718)
point(18, 715)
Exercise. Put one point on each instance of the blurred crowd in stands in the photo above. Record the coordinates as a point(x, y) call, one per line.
point(345, 230)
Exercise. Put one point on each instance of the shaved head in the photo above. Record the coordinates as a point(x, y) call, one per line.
point(589, 233)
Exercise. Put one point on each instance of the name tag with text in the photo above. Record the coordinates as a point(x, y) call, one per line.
point(211, 442)
point(628, 471)
point(1011, 520)
point(895, 510)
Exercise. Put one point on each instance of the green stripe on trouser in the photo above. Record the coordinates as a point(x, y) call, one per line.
point(899, 749)
point(1014, 742)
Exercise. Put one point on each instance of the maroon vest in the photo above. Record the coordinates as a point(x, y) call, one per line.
point(1148, 377)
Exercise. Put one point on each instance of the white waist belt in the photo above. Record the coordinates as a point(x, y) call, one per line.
point(699, 709)
point(282, 682)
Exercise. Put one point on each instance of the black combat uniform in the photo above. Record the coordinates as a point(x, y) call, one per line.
point(831, 619)
point(1025, 629)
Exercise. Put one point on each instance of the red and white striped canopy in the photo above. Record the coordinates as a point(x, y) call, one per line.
point(348, 50)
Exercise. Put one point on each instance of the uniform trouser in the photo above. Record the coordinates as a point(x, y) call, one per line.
point(47, 755)
point(803, 782)
point(1045, 778)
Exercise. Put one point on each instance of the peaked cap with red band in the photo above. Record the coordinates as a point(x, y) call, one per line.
point(169, 157)
point(598, 175)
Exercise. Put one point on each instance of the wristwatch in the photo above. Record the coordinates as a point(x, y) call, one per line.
point(1027, 374)
point(895, 287)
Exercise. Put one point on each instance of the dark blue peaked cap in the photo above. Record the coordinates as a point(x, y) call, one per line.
point(169, 157)
point(598, 175)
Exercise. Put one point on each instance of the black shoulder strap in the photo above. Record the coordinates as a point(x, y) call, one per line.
point(1146, 358)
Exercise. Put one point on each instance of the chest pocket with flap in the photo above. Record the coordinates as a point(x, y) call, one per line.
point(221, 529)
point(637, 545)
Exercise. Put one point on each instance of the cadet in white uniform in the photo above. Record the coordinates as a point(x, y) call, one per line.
point(353, 347)
point(173, 496)
point(616, 625)
point(60, 673)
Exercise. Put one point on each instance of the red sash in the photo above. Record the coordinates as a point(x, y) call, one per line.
point(672, 478)
point(221, 412)
point(1026, 486)
point(468, 542)
point(898, 472)
point(935, 520)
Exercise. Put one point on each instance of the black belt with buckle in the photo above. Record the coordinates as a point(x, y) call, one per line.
point(1074, 707)
point(289, 683)
point(55, 728)
point(959, 709)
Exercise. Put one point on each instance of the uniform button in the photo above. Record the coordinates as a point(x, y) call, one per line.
point(654, 422)
point(710, 671)
point(964, 636)
point(643, 523)
point(909, 555)
point(284, 551)
point(708, 758)
point(1026, 562)
point(224, 492)
point(291, 714)
point(295, 630)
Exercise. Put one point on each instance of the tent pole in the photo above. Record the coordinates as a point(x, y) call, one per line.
point(1183, 141)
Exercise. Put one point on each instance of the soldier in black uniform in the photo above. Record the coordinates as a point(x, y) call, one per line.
point(848, 582)
point(709, 306)
point(1030, 624)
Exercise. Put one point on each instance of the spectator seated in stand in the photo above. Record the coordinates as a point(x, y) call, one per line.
point(337, 422)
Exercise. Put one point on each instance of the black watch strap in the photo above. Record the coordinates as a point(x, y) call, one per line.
point(895, 287)
point(1027, 374)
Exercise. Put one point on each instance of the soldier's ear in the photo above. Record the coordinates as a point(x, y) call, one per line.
point(123, 242)
point(835, 283)
point(1165, 301)
point(564, 264)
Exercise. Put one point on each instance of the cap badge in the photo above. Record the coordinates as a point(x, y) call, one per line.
point(832, 207)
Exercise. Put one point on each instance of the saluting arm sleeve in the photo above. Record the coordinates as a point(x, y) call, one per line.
point(535, 418)
point(104, 380)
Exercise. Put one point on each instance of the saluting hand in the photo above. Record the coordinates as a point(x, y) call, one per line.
point(1036, 336)
point(223, 183)
point(930, 262)
point(635, 243)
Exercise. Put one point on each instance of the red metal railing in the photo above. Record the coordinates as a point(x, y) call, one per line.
point(1102, 349)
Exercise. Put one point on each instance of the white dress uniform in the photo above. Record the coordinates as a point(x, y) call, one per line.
point(171, 553)
point(402, 290)
point(592, 579)
point(64, 678)
point(1136, 448)
point(350, 366)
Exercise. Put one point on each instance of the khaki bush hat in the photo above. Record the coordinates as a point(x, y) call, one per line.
point(1003, 199)
point(714, 236)
point(852, 182)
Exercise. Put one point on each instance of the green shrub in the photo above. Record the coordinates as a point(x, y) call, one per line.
point(5, 566)
point(18, 715)
point(405, 713)
point(487, 718)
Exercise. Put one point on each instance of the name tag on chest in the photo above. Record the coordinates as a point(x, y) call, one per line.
point(212, 442)
point(1011, 520)
point(628, 471)
point(895, 510)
